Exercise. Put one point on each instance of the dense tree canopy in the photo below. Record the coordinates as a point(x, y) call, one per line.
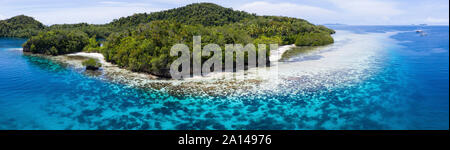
point(20, 26)
point(92, 46)
point(147, 48)
point(284, 27)
point(91, 64)
point(206, 14)
point(313, 39)
point(98, 31)
point(56, 42)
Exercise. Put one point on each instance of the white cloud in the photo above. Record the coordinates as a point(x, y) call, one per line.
point(307, 12)
point(332, 11)
point(437, 20)
point(123, 4)
point(104, 12)
point(368, 7)
point(176, 1)
point(112, 2)
point(367, 12)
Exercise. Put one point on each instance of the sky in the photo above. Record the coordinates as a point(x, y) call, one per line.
point(352, 12)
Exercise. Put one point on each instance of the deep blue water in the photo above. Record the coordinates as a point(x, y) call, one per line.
point(411, 91)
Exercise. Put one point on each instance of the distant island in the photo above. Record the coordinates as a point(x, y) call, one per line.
point(142, 42)
point(334, 24)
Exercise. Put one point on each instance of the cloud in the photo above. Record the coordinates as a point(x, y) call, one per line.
point(358, 12)
point(99, 13)
point(368, 7)
point(437, 20)
point(368, 11)
point(307, 12)
point(332, 11)
point(177, 1)
point(112, 2)
point(123, 4)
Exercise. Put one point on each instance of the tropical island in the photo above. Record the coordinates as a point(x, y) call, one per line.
point(142, 42)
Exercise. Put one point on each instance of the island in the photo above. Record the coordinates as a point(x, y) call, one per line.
point(92, 64)
point(142, 42)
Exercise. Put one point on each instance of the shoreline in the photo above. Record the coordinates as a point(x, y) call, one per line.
point(279, 52)
point(212, 85)
point(332, 70)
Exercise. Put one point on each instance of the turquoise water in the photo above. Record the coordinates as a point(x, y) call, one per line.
point(410, 90)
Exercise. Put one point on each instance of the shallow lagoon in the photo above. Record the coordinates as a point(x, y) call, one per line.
point(373, 77)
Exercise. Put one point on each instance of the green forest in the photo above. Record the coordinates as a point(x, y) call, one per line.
point(57, 42)
point(142, 42)
point(20, 26)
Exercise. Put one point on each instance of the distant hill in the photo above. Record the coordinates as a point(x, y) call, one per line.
point(207, 14)
point(20, 26)
point(334, 24)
